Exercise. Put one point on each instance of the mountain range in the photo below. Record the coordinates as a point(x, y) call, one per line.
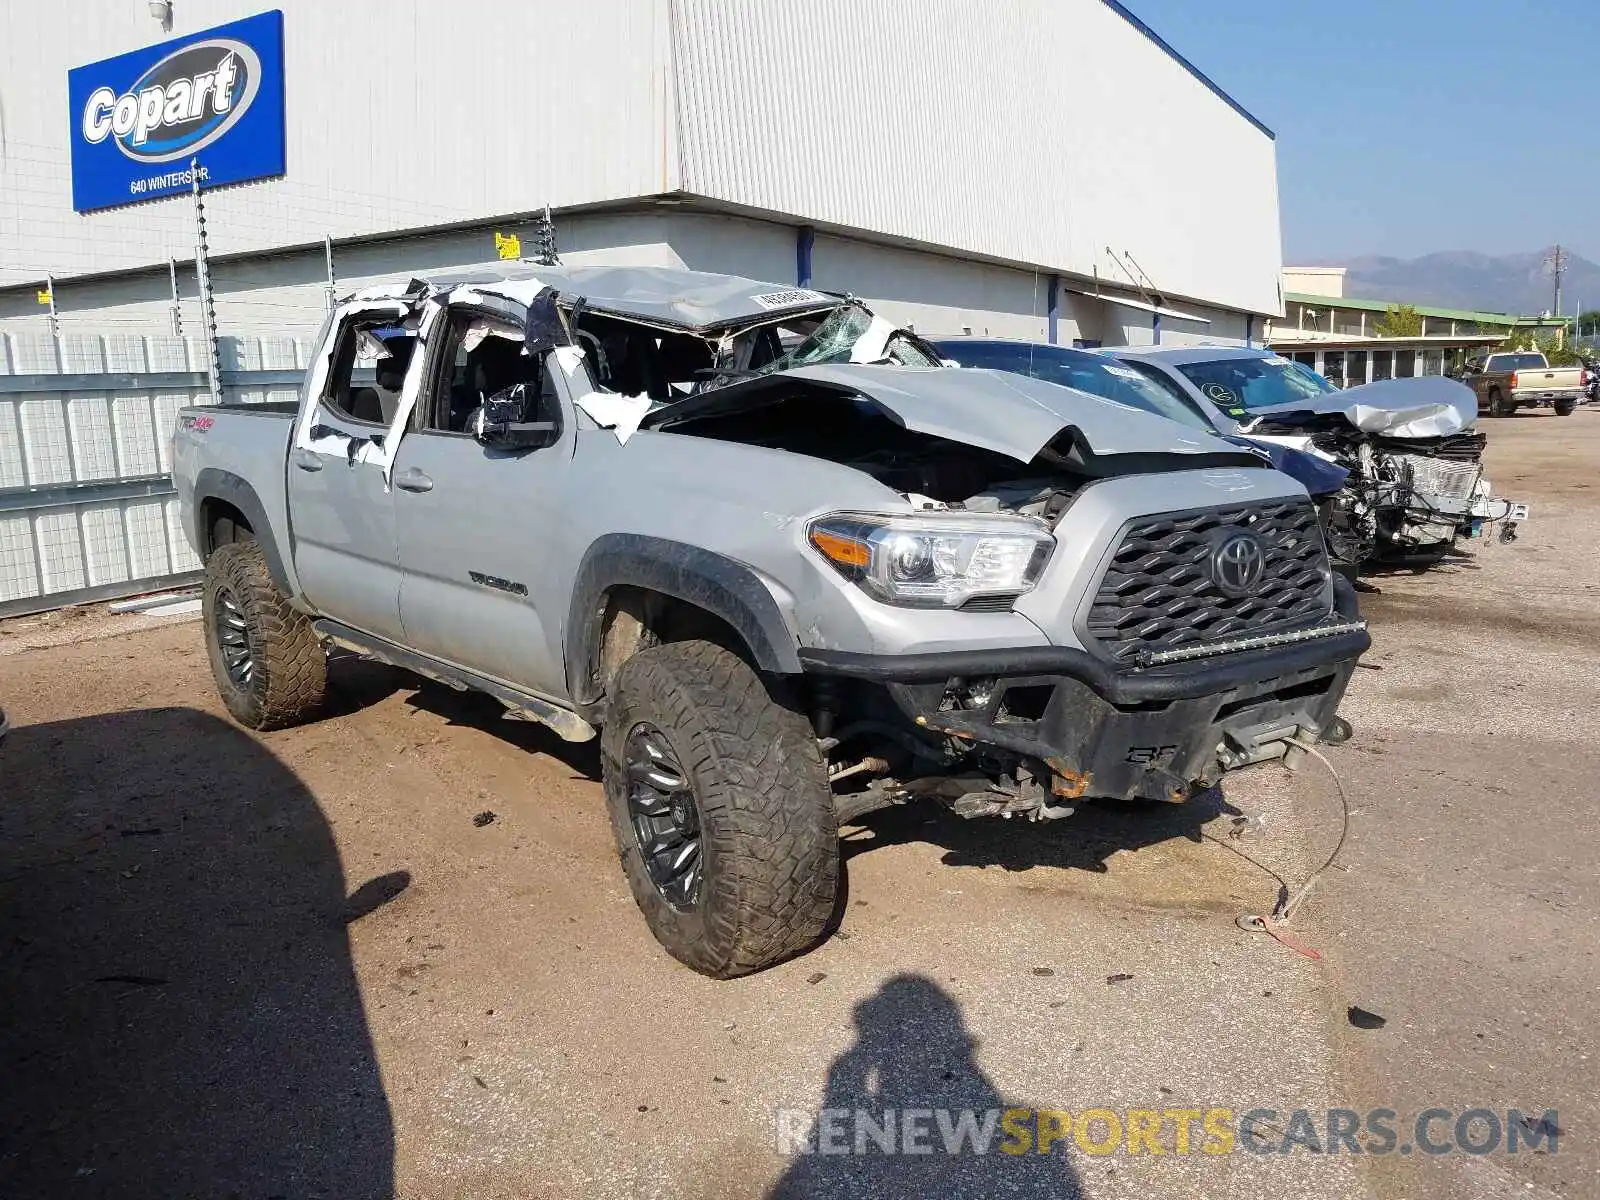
point(1512, 283)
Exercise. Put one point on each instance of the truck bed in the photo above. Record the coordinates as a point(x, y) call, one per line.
point(245, 441)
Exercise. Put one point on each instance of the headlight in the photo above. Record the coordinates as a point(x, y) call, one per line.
point(934, 560)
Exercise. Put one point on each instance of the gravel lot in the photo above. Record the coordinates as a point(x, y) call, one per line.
point(295, 964)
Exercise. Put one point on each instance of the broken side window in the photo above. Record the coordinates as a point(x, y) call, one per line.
point(482, 357)
point(635, 360)
point(369, 369)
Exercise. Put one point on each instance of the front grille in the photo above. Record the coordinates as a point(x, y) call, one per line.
point(1440, 477)
point(1463, 447)
point(1458, 447)
point(1158, 592)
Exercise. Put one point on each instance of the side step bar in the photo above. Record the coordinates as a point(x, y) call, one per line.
point(568, 725)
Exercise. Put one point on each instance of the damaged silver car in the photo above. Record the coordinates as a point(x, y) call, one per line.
point(1416, 483)
point(786, 567)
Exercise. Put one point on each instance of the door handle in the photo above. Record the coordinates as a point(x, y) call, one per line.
point(413, 480)
point(307, 460)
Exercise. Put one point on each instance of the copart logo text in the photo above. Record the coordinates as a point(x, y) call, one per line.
point(184, 102)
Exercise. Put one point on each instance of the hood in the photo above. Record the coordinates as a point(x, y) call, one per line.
point(1428, 406)
point(1009, 414)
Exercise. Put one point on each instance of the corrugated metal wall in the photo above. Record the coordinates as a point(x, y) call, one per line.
point(87, 508)
point(1039, 131)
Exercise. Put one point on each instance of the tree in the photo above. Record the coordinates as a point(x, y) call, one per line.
point(1558, 351)
point(1587, 324)
point(1399, 321)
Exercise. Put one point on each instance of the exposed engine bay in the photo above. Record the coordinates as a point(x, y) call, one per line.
point(931, 471)
point(1405, 496)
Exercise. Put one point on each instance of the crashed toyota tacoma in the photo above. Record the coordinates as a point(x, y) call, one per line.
point(783, 564)
point(1415, 459)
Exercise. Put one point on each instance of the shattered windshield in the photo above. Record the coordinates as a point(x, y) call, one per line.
point(850, 333)
point(1238, 385)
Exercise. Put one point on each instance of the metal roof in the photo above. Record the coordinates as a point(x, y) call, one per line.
point(1424, 310)
point(670, 295)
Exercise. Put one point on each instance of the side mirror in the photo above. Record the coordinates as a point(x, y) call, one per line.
point(507, 421)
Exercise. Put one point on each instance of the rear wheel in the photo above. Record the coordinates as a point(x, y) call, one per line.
point(719, 800)
point(1499, 406)
point(270, 668)
point(1564, 407)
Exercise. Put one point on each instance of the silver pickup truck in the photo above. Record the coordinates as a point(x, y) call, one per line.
point(787, 567)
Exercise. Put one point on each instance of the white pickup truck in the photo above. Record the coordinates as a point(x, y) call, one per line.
point(1524, 379)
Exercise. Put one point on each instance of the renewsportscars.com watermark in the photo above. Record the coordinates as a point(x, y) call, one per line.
point(1179, 1131)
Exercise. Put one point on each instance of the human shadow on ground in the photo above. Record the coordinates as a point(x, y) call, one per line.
point(181, 1014)
point(913, 1053)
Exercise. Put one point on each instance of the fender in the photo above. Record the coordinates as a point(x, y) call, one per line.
point(721, 585)
point(213, 483)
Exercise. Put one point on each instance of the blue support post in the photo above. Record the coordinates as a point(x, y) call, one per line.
point(1053, 307)
point(1155, 329)
point(1250, 330)
point(805, 240)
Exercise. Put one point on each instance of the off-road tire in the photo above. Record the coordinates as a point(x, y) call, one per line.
point(770, 857)
point(290, 675)
point(1564, 408)
point(1499, 406)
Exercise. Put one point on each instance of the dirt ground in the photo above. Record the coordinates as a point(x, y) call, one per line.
point(306, 964)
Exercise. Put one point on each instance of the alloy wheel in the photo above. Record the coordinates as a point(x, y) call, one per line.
point(665, 820)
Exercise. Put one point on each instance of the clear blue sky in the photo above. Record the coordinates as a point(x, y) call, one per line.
point(1399, 121)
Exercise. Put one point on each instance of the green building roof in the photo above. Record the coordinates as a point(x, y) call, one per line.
point(1447, 314)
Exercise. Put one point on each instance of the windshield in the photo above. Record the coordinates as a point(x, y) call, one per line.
point(1238, 385)
point(1078, 369)
point(1515, 362)
point(834, 337)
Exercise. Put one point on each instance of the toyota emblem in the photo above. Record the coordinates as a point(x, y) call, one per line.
point(1238, 563)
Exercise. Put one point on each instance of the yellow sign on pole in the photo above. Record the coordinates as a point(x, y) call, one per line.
point(507, 245)
point(44, 296)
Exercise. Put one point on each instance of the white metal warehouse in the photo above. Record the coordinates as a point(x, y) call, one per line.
point(972, 164)
point(1042, 169)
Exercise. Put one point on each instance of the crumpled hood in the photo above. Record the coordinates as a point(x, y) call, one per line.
point(1428, 406)
point(1010, 414)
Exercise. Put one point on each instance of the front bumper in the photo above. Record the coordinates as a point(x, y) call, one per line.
point(1103, 730)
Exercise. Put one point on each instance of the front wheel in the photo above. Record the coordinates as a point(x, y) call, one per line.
point(719, 800)
point(270, 668)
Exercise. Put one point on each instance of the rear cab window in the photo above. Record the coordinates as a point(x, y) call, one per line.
point(1502, 363)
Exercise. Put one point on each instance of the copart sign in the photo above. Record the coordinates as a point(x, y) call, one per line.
point(140, 118)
